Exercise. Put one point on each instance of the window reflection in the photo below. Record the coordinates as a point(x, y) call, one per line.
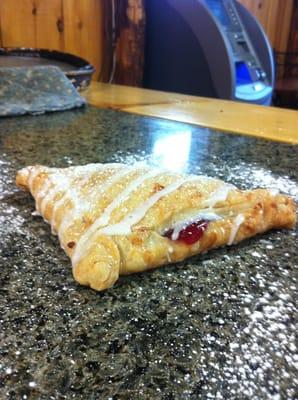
point(172, 151)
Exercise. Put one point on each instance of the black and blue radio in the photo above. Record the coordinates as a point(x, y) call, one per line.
point(212, 48)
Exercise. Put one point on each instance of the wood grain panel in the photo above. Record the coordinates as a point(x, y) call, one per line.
point(271, 18)
point(49, 24)
point(265, 11)
point(293, 39)
point(282, 35)
point(264, 122)
point(31, 23)
point(83, 30)
point(1, 43)
point(130, 42)
point(17, 23)
point(73, 26)
point(283, 25)
point(275, 17)
point(292, 57)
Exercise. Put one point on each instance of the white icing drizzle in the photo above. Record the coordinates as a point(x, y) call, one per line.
point(42, 191)
point(274, 192)
point(60, 182)
point(88, 168)
point(169, 257)
point(32, 176)
point(59, 203)
point(235, 227)
point(80, 206)
point(105, 217)
point(73, 193)
point(220, 194)
point(121, 171)
point(207, 215)
point(124, 227)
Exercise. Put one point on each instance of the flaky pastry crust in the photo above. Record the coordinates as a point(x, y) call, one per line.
point(111, 219)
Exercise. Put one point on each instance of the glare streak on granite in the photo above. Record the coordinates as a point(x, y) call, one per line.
point(218, 326)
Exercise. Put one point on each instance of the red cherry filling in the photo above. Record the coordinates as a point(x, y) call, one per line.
point(191, 233)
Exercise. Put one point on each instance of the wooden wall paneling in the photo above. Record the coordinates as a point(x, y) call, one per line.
point(271, 19)
point(130, 42)
point(31, 23)
point(283, 24)
point(275, 17)
point(49, 24)
point(293, 37)
point(108, 42)
point(256, 7)
point(83, 30)
point(292, 58)
point(17, 23)
point(266, 12)
point(282, 33)
point(0, 28)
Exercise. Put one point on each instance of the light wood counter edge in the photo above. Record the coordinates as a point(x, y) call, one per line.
point(236, 118)
point(255, 123)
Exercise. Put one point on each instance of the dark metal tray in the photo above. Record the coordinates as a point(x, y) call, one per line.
point(78, 70)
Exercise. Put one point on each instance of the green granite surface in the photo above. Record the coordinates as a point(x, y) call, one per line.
point(218, 326)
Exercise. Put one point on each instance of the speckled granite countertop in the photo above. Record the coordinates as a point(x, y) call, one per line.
point(219, 326)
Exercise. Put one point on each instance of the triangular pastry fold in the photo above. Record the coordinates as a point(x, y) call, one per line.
point(114, 219)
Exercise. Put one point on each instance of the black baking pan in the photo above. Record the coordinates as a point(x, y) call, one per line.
point(78, 70)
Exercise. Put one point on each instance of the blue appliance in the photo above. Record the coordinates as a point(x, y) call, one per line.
point(211, 48)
